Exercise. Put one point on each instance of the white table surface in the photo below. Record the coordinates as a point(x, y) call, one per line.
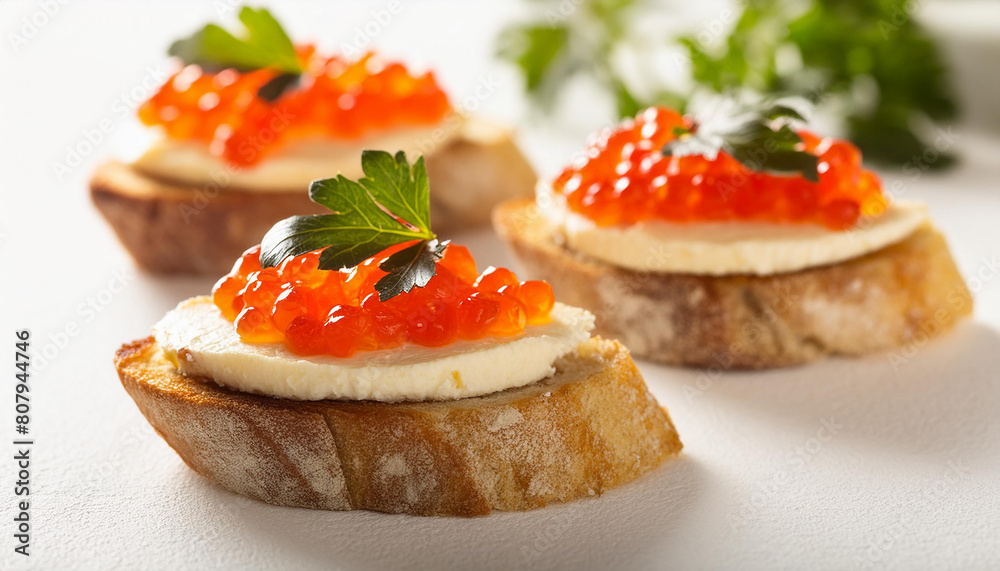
point(906, 473)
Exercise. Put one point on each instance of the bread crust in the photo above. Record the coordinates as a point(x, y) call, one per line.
point(592, 426)
point(891, 297)
point(172, 227)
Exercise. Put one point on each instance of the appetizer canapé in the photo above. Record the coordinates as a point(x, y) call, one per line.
point(743, 243)
point(354, 361)
point(249, 121)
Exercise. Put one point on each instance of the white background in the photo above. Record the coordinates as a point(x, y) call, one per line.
point(906, 473)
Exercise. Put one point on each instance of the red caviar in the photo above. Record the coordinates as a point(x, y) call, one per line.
point(623, 178)
point(335, 98)
point(323, 312)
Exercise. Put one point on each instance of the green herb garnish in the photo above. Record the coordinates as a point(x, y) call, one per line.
point(760, 138)
point(566, 43)
point(884, 72)
point(879, 69)
point(262, 44)
point(389, 206)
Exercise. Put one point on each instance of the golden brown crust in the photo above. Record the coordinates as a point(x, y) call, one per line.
point(472, 175)
point(878, 301)
point(171, 227)
point(590, 427)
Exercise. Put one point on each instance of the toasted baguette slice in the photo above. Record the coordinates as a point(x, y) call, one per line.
point(590, 427)
point(897, 295)
point(173, 227)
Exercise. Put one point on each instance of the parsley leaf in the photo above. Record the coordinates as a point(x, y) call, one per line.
point(883, 75)
point(390, 206)
point(410, 267)
point(402, 192)
point(843, 47)
point(759, 138)
point(571, 42)
point(263, 44)
point(277, 86)
point(535, 49)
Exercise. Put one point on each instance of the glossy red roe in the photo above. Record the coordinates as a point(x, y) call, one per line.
point(254, 325)
point(335, 98)
point(623, 178)
point(538, 300)
point(348, 330)
point(432, 322)
point(388, 324)
point(293, 302)
point(477, 314)
point(495, 279)
point(512, 316)
point(339, 313)
point(460, 262)
point(304, 336)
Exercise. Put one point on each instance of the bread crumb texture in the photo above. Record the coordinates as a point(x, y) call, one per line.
point(590, 427)
point(905, 292)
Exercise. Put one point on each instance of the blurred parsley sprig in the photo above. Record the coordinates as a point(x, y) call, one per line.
point(550, 52)
point(885, 71)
